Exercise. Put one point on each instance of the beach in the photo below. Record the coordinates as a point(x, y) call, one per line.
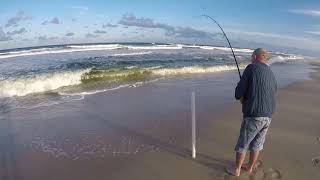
point(147, 90)
point(143, 131)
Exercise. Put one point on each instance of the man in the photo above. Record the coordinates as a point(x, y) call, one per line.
point(256, 91)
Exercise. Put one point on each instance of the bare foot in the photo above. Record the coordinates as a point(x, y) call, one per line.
point(233, 171)
point(247, 168)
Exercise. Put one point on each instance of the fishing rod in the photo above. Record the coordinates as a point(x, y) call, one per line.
point(235, 59)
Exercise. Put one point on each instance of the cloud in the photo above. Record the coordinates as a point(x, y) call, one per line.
point(73, 19)
point(308, 12)
point(15, 32)
point(109, 26)
point(3, 36)
point(45, 38)
point(268, 35)
point(18, 17)
point(189, 33)
point(101, 16)
point(82, 8)
point(69, 34)
point(42, 38)
point(276, 40)
point(100, 32)
point(182, 32)
point(132, 20)
point(44, 22)
point(313, 32)
point(54, 20)
point(89, 35)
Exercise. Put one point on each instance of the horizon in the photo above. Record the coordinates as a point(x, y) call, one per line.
point(287, 26)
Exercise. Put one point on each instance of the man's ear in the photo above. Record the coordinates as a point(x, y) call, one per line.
point(254, 57)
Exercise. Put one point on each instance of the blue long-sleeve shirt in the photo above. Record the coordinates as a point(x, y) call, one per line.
point(257, 87)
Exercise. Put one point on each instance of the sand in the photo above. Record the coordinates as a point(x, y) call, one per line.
point(91, 143)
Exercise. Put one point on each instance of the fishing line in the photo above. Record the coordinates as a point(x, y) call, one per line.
point(216, 22)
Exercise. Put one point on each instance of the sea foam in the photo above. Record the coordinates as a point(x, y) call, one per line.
point(39, 83)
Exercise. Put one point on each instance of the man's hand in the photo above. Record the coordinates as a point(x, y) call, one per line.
point(241, 100)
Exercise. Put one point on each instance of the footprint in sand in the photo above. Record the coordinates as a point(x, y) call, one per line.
point(258, 164)
point(271, 174)
point(316, 161)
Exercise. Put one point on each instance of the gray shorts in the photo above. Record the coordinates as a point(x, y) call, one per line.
point(252, 134)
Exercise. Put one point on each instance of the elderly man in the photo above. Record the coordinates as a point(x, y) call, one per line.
point(256, 91)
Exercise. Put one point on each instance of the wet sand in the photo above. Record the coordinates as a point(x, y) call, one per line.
point(149, 137)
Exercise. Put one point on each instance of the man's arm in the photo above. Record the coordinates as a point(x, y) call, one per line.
point(243, 84)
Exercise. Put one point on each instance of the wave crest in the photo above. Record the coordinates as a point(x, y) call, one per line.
point(284, 58)
point(39, 83)
point(53, 81)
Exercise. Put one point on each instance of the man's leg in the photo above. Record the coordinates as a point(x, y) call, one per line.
point(236, 170)
point(240, 149)
point(257, 143)
point(252, 161)
point(240, 156)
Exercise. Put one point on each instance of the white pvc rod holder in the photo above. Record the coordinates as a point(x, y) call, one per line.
point(193, 127)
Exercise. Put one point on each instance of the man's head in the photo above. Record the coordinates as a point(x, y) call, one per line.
point(260, 55)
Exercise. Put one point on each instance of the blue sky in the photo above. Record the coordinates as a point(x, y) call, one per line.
point(290, 24)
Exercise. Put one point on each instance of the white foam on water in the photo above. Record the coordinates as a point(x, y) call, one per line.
point(39, 83)
point(133, 54)
point(85, 149)
point(84, 93)
point(97, 47)
point(226, 49)
point(280, 59)
point(156, 47)
point(67, 49)
point(93, 92)
point(195, 70)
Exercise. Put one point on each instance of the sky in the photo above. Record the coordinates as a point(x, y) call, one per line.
point(284, 25)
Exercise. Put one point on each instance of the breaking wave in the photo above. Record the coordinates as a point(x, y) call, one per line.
point(52, 81)
point(39, 83)
point(133, 54)
point(226, 49)
point(284, 58)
